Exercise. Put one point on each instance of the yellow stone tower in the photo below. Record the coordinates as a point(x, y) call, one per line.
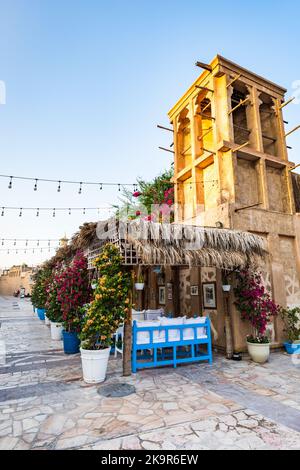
point(231, 168)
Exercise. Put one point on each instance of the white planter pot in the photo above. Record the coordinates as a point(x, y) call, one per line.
point(47, 321)
point(94, 365)
point(226, 287)
point(259, 352)
point(56, 331)
point(139, 285)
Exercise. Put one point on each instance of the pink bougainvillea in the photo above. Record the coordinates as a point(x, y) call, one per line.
point(254, 302)
point(73, 291)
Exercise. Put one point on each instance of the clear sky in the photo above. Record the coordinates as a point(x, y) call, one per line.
point(88, 80)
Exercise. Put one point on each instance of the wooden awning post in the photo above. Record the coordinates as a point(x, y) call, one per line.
point(228, 332)
point(127, 336)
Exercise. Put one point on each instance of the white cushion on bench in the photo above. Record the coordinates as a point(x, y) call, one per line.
point(188, 333)
point(173, 335)
point(143, 337)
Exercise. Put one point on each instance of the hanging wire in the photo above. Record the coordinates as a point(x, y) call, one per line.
point(60, 181)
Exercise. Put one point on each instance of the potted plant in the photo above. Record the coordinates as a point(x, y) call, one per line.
point(54, 312)
point(255, 305)
point(291, 319)
point(104, 314)
point(73, 292)
point(39, 293)
point(139, 285)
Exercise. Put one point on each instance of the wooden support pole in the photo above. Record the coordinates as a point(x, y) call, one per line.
point(248, 207)
point(204, 88)
point(165, 128)
point(287, 102)
point(186, 150)
point(209, 151)
point(238, 105)
point(206, 116)
point(127, 337)
point(204, 66)
point(166, 150)
point(234, 80)
point(200, 137)
point(293, 130)
point(269, 138)
point(228, 332)
point(240, 147)
point(294, 167)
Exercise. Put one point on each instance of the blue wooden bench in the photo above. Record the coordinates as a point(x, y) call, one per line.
point(170, 352)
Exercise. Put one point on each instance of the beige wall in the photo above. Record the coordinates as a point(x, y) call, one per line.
point(8, 285)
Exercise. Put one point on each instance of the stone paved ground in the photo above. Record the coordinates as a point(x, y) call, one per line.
point(44, 404)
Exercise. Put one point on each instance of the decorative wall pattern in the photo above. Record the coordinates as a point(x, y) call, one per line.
point(292, 287)
point(184, 291)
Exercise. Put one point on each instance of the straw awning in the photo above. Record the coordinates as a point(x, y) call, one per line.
point(150, 243)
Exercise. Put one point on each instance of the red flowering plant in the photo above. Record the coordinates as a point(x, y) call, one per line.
point(73, 292)
point(255, 304)
point(153, 201)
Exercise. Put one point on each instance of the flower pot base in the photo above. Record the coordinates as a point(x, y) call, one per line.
point(259, 352)
point(94, 365)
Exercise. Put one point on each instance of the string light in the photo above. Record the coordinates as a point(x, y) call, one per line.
point(35, 185)
point(60, 181)
point(53, 210)
point(24, 249)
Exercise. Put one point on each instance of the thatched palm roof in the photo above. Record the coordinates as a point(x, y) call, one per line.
point(178, 244)
point(85, 236)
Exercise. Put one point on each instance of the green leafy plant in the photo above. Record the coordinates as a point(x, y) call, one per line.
point(291, 319)
point(53, 306)
point(111, 302)
point(39, 289)
point(139, 205)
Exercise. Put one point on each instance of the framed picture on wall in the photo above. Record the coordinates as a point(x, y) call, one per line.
point(162, 295)
point(209, 295)
point(194, 290)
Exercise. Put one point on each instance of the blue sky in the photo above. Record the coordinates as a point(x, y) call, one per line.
point(87, 82)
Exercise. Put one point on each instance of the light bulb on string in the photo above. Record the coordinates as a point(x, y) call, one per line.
point(53, 215)
point(15, 242)
point(38, 243)
point(70, 212)
point(2, 213)
point(35, 185)
point(119, 187)
point(59, 187)
point(37, 212)
point(83, 211)
point(26, 244)
point(80, 188)
point(101, 187)
point(10, 183)
point(20, 214)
